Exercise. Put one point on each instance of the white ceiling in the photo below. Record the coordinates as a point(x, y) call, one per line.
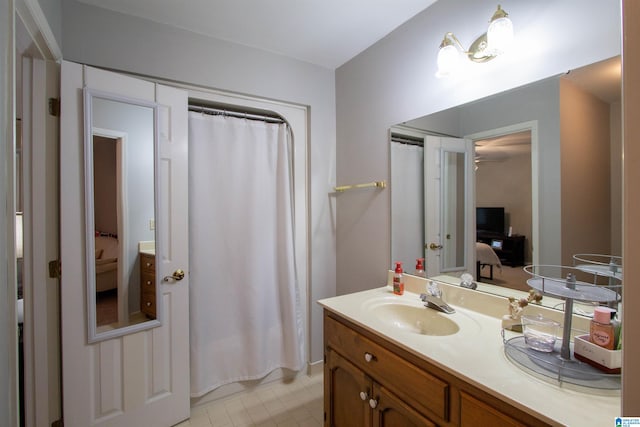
point(323, 32)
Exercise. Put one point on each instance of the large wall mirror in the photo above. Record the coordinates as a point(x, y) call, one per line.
point(548, 154)
point(120, 214)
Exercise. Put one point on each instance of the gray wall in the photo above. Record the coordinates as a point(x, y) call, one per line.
point(52, 10)
point(103, 38)
point(394, 80)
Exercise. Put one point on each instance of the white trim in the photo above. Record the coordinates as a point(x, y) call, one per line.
point(407, 131)
point(40, 381)
point(315, 368)
point(95, 334)
point(41, 297)
point(8, 337)
point(535, 164)
point(36, 24)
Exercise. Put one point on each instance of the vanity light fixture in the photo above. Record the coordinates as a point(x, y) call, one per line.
point(489, 45)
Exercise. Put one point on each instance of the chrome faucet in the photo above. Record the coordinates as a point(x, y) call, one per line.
point(433, 299)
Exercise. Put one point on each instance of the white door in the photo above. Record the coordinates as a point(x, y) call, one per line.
point(449, 205)
point(140, 379)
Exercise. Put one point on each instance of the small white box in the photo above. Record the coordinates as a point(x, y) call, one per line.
point(609, 361)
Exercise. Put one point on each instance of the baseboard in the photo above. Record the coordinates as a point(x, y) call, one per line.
point(315, 368)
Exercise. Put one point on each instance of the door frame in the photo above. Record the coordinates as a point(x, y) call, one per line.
point(531, 126)
point(41, 308)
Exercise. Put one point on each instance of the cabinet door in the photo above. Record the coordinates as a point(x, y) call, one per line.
point(347, 391)
point(390, 411)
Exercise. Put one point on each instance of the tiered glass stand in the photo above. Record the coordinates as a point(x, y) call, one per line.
point(599, 265)
point(561, 281)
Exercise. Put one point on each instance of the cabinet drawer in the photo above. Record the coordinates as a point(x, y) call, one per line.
point(148, 304)
point(147, 282)
point(421, 390)
point(474, 412)
point(148, 263)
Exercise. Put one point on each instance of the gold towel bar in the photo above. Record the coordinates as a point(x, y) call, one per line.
point(378, 184)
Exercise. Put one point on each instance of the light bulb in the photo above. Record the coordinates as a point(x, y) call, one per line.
point(448, 60)
point(500, 33)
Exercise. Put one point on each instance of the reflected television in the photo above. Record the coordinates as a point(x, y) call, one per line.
point(490, 220)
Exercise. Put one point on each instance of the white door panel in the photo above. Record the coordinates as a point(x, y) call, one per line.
point(449, 202)
point(140, 379)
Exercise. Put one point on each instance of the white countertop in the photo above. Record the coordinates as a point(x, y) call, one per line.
point(476, 354)
point(148, 247)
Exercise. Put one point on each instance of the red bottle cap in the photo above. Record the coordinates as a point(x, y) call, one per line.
point(398, 267)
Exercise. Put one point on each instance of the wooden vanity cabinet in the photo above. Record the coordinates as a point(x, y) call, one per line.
point(148, 285)
point(354, 399)
point(371, 382)
point(348, 389)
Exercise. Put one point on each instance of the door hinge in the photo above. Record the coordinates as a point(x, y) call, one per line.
point(55, 269)
point(57, 423)
point(54, 106)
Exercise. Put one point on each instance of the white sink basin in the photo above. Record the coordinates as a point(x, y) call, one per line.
point(415, 319)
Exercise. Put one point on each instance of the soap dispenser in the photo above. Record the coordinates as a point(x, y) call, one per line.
point(420, 267)
point(398, 280)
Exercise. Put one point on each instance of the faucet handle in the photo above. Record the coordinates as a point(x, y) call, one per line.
point(434, 290)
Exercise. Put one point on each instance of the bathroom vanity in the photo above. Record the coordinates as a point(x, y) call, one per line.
point(391, 361)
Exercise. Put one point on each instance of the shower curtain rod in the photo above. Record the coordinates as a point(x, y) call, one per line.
point(408, 140)
point(230, 113)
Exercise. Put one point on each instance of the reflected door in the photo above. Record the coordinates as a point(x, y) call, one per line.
point(449, 199)
point(139, 378)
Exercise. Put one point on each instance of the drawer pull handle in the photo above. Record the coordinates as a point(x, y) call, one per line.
point(148, 304)
point(149, 282)
point(149, 264)
point(368, 357)
point(364, 395)
point(373, 403)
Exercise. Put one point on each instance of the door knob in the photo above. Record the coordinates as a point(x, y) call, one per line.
point(177, 276)
point(435, 247)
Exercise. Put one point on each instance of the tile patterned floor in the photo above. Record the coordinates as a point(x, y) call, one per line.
point(278, 404)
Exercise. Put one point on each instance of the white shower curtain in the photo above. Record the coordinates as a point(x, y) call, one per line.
point(244, 301)
point(407, 204)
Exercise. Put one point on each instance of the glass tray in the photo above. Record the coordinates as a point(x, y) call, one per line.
point(553, 366)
